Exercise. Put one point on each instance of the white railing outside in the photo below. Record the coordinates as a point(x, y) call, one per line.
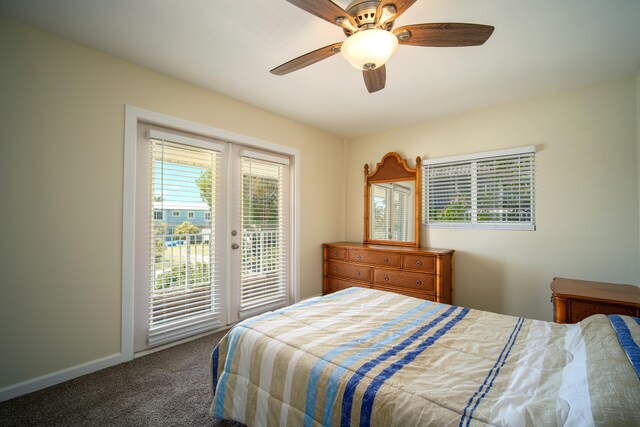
point(182, 261)
point(260, 251)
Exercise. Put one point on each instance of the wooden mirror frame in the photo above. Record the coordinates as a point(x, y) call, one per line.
point(392, 168)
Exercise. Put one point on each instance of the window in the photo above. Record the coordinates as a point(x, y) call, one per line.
point(191, 215)
point(175, 213)
point(207, 216)
point(157, 215)
point(485, 190)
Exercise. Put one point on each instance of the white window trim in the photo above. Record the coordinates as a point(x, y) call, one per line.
point(161, 215)
point(191, 215)
point(134, 115)
point(475, 157)
point(480, 156)
point(175, 214)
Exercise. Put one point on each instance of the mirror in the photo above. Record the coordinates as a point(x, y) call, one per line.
point(392, 202)
point(390, 205)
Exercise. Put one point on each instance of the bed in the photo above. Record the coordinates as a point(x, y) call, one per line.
point(366, 357)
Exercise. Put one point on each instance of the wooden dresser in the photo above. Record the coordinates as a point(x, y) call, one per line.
point(574, 300)
point(418, 272)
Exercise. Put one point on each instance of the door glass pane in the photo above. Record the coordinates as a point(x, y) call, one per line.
point(183, 272)
point(263, 269)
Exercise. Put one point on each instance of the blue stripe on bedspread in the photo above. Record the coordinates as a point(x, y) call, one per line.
point(339, 371)
point(627, 342)
point(327, 358)
point(372, 389)
point(347, 398)
point(491, 376)
point(214, 367)
point(235, 333)
point(342, 369)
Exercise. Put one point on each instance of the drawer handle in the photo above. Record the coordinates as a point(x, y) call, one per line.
point(358, 273)
point(418, 263)
point(386, 260)
point(335, 253)
point(335, 269)
point(418, 282)
point(386, 278)
point(358, 257)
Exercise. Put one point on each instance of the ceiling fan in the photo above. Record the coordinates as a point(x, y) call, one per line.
point(370, 41)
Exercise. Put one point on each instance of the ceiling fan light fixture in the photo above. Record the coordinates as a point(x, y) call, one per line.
point(369, 49)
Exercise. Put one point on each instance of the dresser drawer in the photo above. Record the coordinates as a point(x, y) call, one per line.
point(349, 271)
point(581, 309)
point(377, 258)
point(407, 292)
point(419, 262)
point(337, 253)
point(335, 285)
point(417, 281)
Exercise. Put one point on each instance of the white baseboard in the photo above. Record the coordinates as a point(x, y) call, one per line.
point(35, 384)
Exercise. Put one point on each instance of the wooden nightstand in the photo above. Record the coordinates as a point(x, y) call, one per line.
point(574, 300)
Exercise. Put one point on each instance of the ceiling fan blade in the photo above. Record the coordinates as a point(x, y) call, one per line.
point(375, 79)
point(444, 34)
point(327, 10)
point(307, 59)
point(400, 6)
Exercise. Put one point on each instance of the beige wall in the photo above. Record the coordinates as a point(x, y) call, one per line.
point(61, 176)
point(586, 194)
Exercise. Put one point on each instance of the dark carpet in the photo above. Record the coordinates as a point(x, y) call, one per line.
point(171, 387)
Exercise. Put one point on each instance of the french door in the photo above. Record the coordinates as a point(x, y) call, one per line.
point(212, 234)
point(259, 232)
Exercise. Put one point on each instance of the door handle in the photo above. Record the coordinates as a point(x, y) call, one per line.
point(235, 246)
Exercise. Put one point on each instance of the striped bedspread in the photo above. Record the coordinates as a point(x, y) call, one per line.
point(366, 357)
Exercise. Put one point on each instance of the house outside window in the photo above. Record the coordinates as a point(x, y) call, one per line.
point(175, 213)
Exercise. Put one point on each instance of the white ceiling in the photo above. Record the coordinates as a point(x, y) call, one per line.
point(229, 46)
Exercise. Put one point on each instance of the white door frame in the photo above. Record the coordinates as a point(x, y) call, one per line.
point(134, 115)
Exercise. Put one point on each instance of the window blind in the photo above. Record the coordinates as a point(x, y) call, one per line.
point(486, 190)
point(400, 220)
point(184, 280)
point(264, 248)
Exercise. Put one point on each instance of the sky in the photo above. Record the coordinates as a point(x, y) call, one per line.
point(176, 182)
